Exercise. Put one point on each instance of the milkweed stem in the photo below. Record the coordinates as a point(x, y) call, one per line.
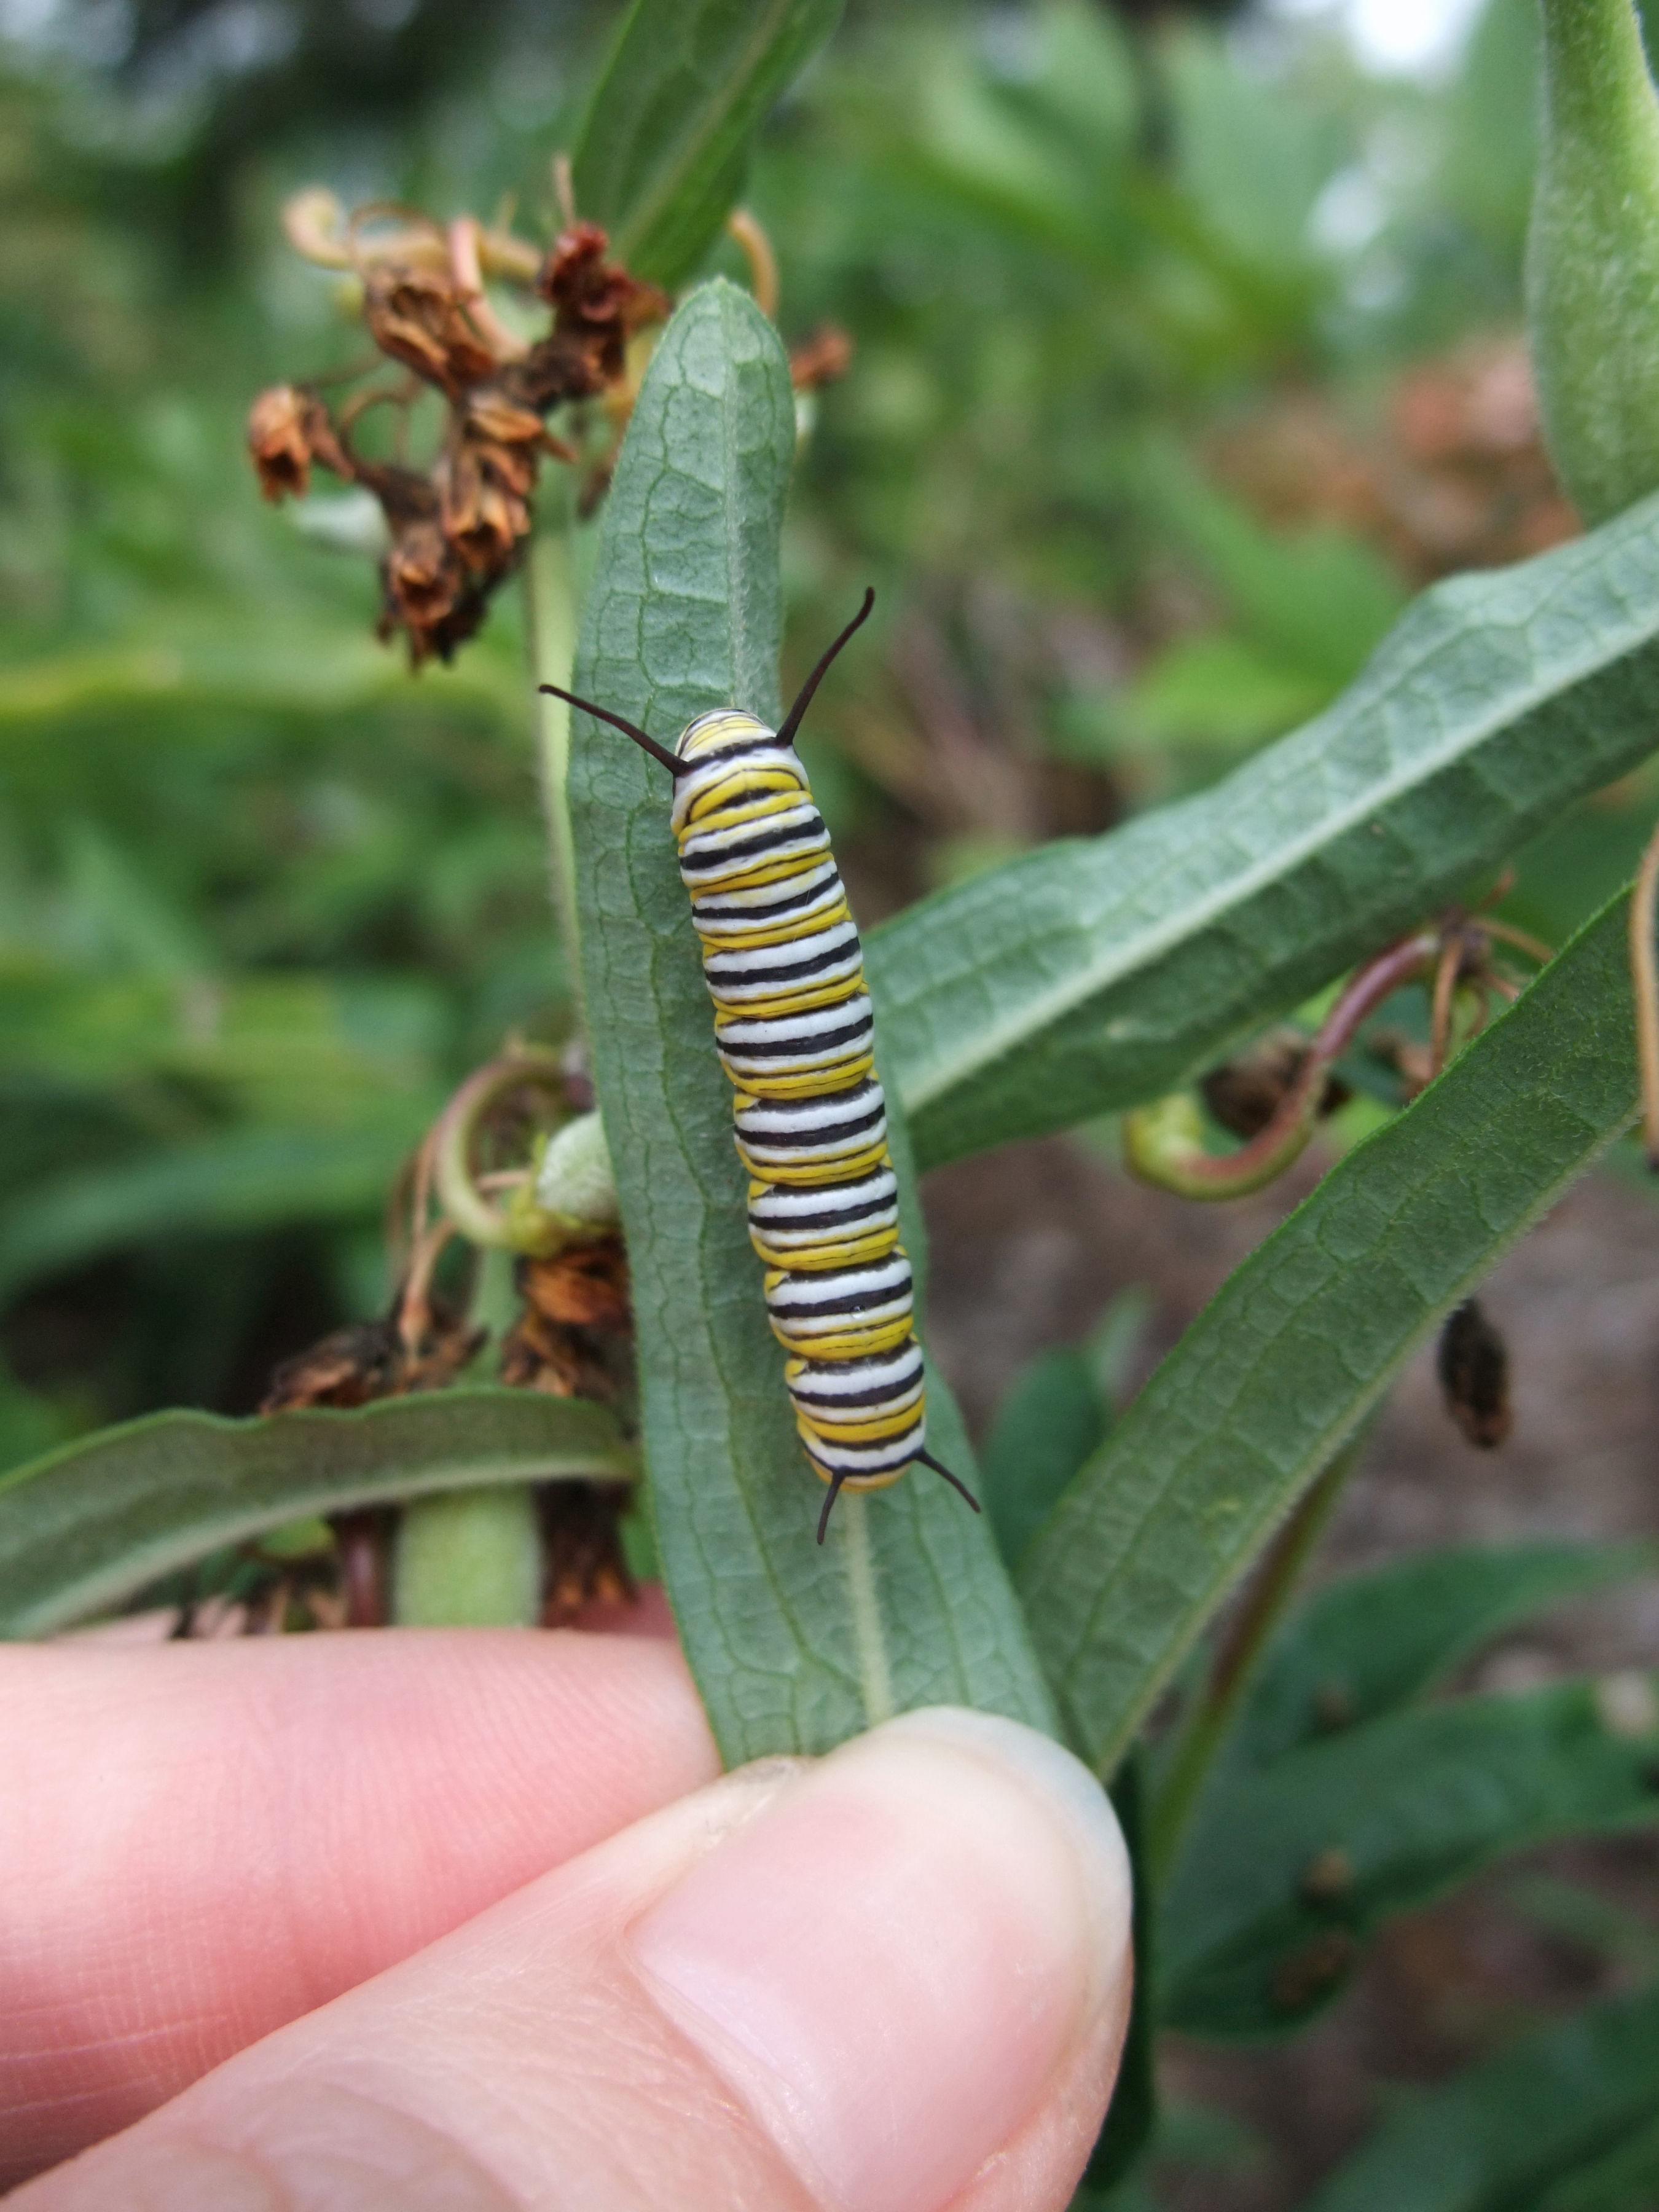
point(756, 248)
point(551, 601)
point(1163, 1143)
point(1214, 1705)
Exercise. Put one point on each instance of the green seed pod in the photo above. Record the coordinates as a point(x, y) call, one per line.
point(1593, 257)
point(471, 1558)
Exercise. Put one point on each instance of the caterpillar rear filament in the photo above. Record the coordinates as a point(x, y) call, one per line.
point(794, 1031)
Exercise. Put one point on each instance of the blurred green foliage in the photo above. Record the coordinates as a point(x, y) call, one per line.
point(263, 898)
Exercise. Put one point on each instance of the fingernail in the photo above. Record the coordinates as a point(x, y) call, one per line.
point(893, 1961)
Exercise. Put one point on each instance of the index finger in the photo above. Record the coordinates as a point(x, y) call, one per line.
point(202, 1841)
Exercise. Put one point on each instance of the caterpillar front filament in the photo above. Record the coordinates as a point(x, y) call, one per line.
point(794, 1030)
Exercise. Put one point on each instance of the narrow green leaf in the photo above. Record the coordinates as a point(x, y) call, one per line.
point(794, 1646)
point(1302, 1340)
point(1052, 1418)
point(1058, 1410)
point(234, 659)
point(664, 143)
point(242, 1179)
point(84, 1529)
point(1371, 1642)
point(1091, 974)
point(1623, 2180)
point(1131, 2115)
point(1288, 1870)
point(1506, 2135)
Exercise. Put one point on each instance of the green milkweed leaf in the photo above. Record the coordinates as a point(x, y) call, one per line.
point(1093, 974)
point(1371, 1642)
point(87, 1527)
point(664, 143)
point(1529, 2130)
point(1287, 1870)
point(1055, 1414)
point(1131, 2115)
point(794, 1646)
point(1625, 2178)
point(1302, 1339)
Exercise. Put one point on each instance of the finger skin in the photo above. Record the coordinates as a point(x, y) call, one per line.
point(201, 1842)
point(946, 2012)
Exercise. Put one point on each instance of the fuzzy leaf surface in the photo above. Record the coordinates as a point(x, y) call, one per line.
point(664, 143)
point(1299, 1344)
point(87, 1527)
point(1093, 974)
point(794, 1646)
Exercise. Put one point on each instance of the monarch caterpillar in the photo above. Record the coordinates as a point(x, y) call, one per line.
point(794, 1031)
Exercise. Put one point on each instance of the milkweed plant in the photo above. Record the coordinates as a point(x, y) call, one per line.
point(578, 1383)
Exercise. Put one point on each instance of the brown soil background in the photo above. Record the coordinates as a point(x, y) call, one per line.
point(1029, 1246)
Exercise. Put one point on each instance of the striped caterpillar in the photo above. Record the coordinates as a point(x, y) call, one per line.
point(794, 1031)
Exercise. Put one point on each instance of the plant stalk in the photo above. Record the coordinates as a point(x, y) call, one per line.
point(471, 1558)
point(1213, 1709)
point(551, 598)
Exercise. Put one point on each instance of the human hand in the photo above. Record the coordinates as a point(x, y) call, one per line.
point(467, 1921)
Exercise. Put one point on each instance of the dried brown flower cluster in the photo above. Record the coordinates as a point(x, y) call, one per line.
point(575, 1336)
point(456, 526)
point(372, 1359)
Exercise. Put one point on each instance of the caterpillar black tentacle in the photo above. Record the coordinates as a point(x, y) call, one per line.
point(794, 1030)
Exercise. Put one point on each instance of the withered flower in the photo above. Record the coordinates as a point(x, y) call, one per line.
point(582, 1547)
point(288, 429)
point(586, 1284)
point(459, 525)
point(820, 358)
point(371, 1359)
point(573, 1337)
point(419, 316)
point(429, 593)
point(422, 575)
point(482, 517)
point(597, 307)
point(510, 438)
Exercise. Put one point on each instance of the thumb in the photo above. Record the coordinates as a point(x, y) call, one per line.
point(892, 1980)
